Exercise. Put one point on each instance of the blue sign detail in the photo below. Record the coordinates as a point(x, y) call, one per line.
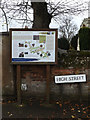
point(23, 59)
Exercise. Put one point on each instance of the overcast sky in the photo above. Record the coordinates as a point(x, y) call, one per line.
point(77, 19)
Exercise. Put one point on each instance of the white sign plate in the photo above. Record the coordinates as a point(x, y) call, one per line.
point(70, 78)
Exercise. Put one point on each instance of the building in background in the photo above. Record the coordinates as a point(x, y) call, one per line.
point(86, 21)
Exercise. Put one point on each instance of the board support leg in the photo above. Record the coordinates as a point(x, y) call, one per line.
point(18, 84)
point(48, 83)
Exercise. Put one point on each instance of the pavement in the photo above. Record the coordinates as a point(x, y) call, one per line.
point(34, 109)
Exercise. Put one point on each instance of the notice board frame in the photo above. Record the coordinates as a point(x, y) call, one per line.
point(23, 62)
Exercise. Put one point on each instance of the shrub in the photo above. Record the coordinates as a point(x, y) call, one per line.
point(74, 42)
point(63, 44)
point(84, 36)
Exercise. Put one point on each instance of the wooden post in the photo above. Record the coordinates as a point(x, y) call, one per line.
point(47, 83)
point(18, 84)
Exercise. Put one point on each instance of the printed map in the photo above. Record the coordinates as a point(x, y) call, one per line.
point(34, 46)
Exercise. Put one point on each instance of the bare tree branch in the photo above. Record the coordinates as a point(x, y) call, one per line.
point(67, 28)
point(22, 10)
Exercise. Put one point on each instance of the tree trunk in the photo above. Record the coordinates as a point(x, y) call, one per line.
point(42, 18)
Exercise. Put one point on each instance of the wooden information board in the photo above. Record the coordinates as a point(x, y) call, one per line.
point(30, 46)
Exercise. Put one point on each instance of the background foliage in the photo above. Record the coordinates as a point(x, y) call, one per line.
point(84, 36)
point(74, 59)
point(74, 41)
point(63, 43)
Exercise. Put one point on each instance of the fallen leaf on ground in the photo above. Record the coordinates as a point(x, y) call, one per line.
point(20, 105)
point(66, 102)
point(8, 112)
point(78, 110)
point(73, 109)
point(84, 112)
point(9, 101)
point(64, 113)
point(76, 105)
point(60, 105)
point(73, 116)
point(57, 102)
point(79, 119)
point(10, 115)
point(81, 104)
point(83, 108)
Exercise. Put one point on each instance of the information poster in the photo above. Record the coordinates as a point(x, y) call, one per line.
point(33, 46)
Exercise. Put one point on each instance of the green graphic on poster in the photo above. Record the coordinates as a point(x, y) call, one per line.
point(42, 39)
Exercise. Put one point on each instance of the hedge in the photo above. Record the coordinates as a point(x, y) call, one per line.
point(84, 36)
